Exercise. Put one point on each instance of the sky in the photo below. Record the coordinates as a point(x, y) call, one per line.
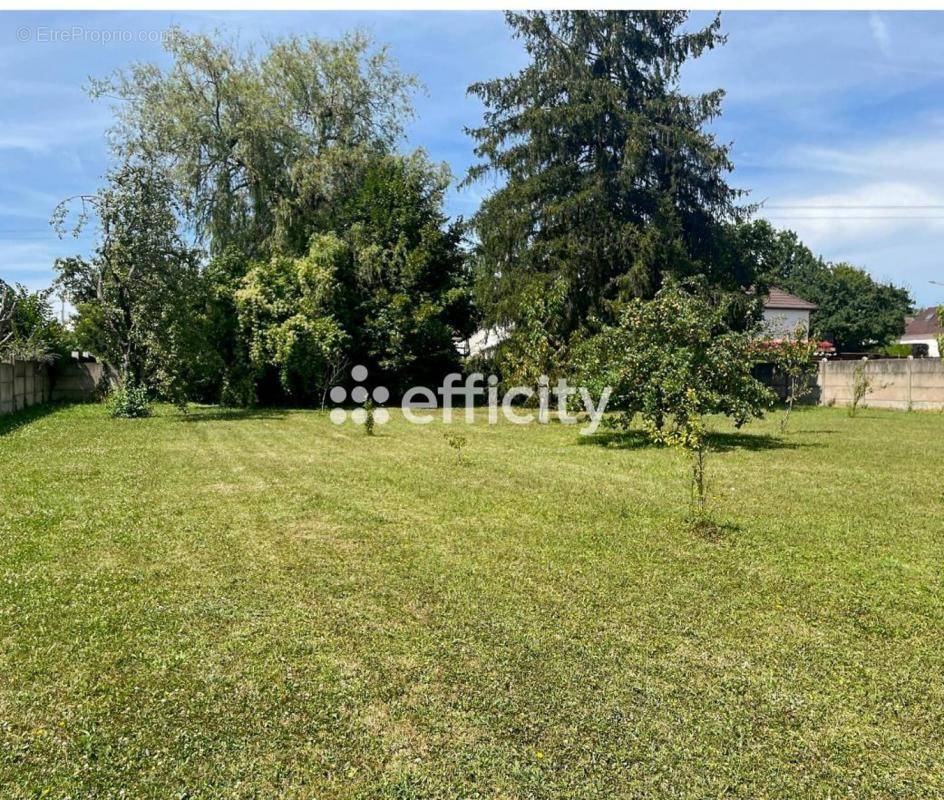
point(835, 120)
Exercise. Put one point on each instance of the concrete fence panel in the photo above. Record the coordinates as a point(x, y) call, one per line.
point(899, 383)
point(29, 383)
point(6, 388)
point(76, 381)
point(23, 384)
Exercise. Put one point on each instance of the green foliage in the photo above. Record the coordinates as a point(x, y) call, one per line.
point(138, 297)
point(273, 157)
point(388, 290)
point(369, 420)
point(253, 143)
point(674, 361)
point(861, 386)
point(855, 312)
point(286, 311)
point(794, 358)
point(7, 310)
point(457, 442)
point(129, 401)
point(232, 379)
point(29, 329)
point(895, 350)
point(408, 296)
point(533, 348)
point(940, 339)
point(611, 180)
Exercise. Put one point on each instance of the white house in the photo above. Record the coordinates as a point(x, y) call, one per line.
point(924, 328)
point(483, 342)
point(784, 313)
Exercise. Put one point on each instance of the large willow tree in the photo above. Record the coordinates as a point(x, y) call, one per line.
point(257, 144)
point(269, 154)
point(610, 180)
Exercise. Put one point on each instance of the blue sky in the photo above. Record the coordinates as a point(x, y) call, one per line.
point(836, 119)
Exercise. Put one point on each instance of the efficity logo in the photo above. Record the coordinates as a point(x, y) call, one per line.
point(516, 405)
point(359, 394)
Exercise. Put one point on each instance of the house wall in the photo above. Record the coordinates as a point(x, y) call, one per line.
point(782, 322)
point(930, 341)
point(899, 383)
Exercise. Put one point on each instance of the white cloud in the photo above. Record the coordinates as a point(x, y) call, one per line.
point(916, 158)
point(43, 137)
point(880, 33)
point(879, 205)
point(874, 212)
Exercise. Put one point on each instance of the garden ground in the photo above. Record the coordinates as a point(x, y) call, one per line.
point(251, 604)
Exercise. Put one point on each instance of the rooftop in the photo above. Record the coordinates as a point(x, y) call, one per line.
point(778, 298)
point(924, 322)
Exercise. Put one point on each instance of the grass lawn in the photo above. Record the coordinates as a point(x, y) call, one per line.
point(263, 604)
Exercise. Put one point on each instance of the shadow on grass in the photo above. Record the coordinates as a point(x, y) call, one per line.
point(718, 442)
point(738, 440)
point(229, 414)
point(712, 531)
point(23, 417)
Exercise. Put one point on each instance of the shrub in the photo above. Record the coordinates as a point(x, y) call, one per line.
point(896, 350)
point(456, 441)
point(369, 417)
point(940, 339)
point(861, 386)
point(129, 402)
point(674, 361)
point(793, 356)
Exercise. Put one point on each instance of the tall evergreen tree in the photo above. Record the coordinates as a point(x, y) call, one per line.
point(611, 181)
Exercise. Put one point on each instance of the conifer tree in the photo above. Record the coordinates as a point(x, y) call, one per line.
point(611, 181)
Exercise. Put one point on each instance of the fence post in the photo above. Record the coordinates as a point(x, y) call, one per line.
point(910, 379)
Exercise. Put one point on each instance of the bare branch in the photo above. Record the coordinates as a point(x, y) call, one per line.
point(8, 301)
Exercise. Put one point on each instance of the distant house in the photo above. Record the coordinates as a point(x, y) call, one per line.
point(784, 313)
point(483, 342)
point(924, 328)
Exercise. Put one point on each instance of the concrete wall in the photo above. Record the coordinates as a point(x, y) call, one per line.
point(22, 384)
point(27, 383)
point(900, 383)
point(76, 381)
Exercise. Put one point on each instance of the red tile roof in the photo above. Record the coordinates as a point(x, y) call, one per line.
point(925, 322)
point(778, 298)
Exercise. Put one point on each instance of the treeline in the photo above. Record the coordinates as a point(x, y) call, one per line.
point(262, 230)
point(29, 330)
point(319, 244)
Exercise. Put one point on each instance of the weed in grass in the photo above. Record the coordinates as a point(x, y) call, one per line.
point(369, 421)
point(861, 386)
point(457, 442)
